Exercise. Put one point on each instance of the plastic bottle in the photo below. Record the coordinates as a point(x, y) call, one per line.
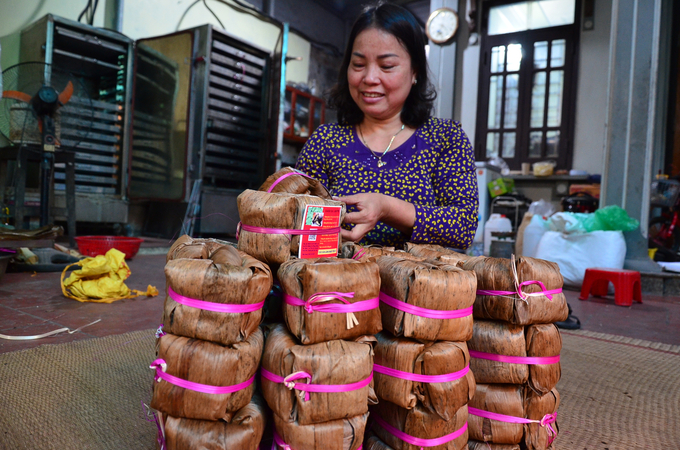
point(533, 233)
point(496, 222)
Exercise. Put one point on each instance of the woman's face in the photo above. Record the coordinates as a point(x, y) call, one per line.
point(380, 75)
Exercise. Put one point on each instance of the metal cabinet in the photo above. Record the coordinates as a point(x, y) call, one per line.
point(203, 135)
point(101, 60)
point(95, 128)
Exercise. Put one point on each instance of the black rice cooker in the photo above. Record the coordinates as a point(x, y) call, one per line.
point(580, 202)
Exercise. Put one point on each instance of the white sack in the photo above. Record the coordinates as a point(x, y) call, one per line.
point(574, 253)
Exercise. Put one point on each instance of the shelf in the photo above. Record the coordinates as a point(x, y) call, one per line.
point(304, 113)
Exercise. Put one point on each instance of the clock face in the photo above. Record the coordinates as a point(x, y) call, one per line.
point(442, 25)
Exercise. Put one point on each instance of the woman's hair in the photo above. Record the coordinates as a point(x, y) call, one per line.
point(400, 23)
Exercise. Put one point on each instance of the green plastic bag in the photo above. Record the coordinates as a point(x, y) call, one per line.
point(609, 218)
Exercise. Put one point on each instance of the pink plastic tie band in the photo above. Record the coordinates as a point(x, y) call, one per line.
point(278, 441)
point(359, 254)
point(312, 304)
point(545, 422)
point(421, 378)
point(521, 294)
point(515, 359)
point(159, 332)
point(419, 441)
point(519, 286)
point(280, 179)
point(211, 306)
point(307, 388)
point(263, 230)
point(424, 312)
point(160, 366)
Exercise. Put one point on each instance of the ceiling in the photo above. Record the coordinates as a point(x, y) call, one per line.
point(349, 9)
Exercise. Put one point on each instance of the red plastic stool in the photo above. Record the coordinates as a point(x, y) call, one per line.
point(626, 284)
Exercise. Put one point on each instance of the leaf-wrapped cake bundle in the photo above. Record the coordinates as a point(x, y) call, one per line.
point(204, 279)
point(498, 338)
point(194, 248)
point(317, 283)
point(350, 250)
point(396, 426)
point(276, 211)
point(543, 340)
point(497, 274)
point(228, 368)
point(337, 362)
point(432, 251)
point(503, 399)
point(505, 353)
point(537, 407)
point(412, 357)
point(477, 445)
point(430, 291)
point(342, 434)
point(293, 181)
point(244, 432)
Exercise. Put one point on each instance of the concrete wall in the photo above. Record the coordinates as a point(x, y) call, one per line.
point(149, 18)
point(591, 99)
point(591, 89)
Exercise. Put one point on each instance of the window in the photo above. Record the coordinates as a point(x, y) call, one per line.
point(527, 72)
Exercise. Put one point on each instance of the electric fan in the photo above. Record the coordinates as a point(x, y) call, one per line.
point(39, 104)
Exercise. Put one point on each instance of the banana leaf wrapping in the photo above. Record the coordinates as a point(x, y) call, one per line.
point(411, 356)
point(343, 434)
point(206, 363)
point(303, 278)
point(373, 442)
point(536, 407)
point(477, 445)
point(244, 432)
point(295, 182)
point(419, 423)
point(431, 251)
point(332, 362)
point(212, 272)
point(496, 274)
point(430, 286)
point(194, 248)
point(543, 340)
point(281, 211)
point(502, 399)
point(502, 338)
point(372, 252)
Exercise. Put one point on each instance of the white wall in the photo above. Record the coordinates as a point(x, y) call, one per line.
point(591, 99)
point(591, 91)
point(147, 18)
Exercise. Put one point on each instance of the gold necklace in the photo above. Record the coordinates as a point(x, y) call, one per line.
point(381, 163)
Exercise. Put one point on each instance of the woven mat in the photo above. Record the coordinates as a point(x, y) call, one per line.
point(81, 395)
point(617, 394)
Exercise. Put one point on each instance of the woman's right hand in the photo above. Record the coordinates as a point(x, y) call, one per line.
point(372, 208)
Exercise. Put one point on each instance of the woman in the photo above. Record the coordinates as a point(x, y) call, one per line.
point(404, 175)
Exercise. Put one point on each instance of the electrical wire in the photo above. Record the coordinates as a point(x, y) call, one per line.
point(259, 14)
point(92, 11)
point(84, 11)
point(185, 13)
point(213, 13)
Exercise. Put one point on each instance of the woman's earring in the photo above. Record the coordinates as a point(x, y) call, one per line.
point(415, 81)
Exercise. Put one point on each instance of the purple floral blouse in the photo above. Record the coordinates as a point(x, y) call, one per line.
point(434, 170)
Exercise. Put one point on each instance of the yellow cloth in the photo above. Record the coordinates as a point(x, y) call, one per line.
point(101, 279)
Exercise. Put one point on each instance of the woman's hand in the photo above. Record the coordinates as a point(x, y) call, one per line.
point(373, 208)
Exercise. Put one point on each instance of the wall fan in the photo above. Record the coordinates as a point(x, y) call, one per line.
point(39, 105)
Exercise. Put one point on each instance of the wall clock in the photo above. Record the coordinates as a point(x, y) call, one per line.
point(441, 25)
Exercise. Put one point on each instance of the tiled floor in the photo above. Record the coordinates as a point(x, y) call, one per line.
point(32, 304)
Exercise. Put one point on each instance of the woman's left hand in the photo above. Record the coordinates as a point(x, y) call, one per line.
point(372, 208)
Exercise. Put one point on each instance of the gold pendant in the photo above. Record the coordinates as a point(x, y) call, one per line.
point(381, 163)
